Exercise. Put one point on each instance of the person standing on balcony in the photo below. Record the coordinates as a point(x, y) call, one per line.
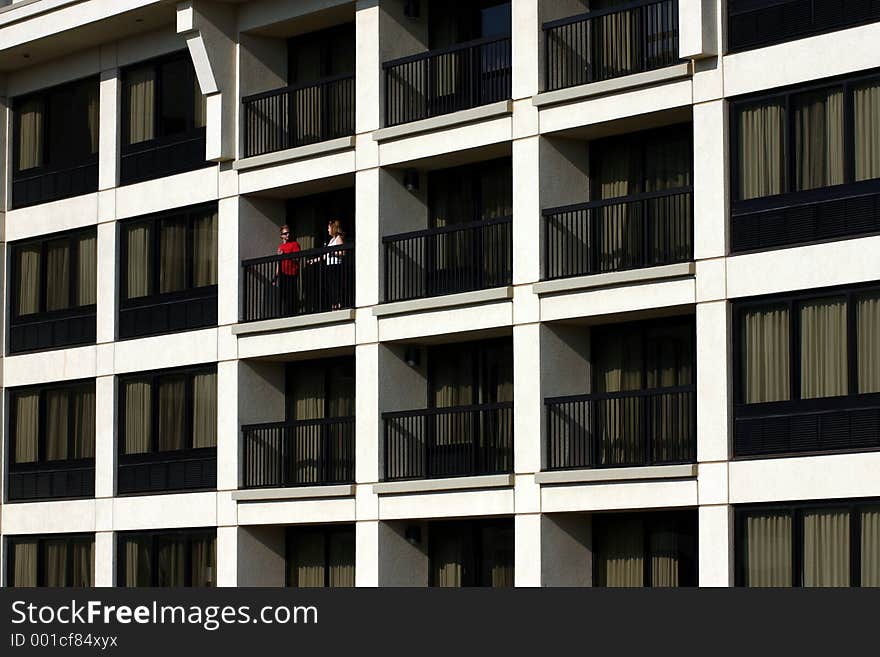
point(286, 273)
point(334, 279)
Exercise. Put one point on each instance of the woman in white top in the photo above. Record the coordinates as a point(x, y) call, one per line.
point(333, 268)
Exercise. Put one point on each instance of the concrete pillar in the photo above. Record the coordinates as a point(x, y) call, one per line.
point(715, 541)
point(105, 436)
point(105, 559)
point(711, 180)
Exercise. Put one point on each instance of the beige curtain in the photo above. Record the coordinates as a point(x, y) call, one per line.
point(871, 546)
point(621, 554)
point(768, 549)
point(31, 135)
point(498, 548)
point(203, 563)
point(83, 564)
point(141, 103)
point(818, 139)
point(205, 410)
point(826, 548)
point(308, 404)
point(823, 348)
point(664, 558)
point(137, 562)
point(139, 256)
point(172, 424)
point(58, 275)
point(342, 390)
point(171, 563)
point(205, 250)
point(341, 554)
point(25, 560)
point(866, 102)
point(84, 423)
point(27, 413)
point(307, 569)
point(57, 424)
point(619, 364)
point(761, 155)
point(619, 232)
point(87, 276)
point(868, 342)
point(765, 353)
point(616, 51)
point(447, 560)
point(94, 117)
point(56, 563)
point(172, 255)
point(138, 417)
point(29, 280)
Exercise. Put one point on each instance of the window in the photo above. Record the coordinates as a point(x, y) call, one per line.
point(828, 544)
point(163, 119)
point(55, 143)
point(645, 549)
point(184, 558)
point(471, 553)
point(807, 139)
point(807, 372)
point(54, 291)
point(169, 272)
point(321, 54)
point(461, 21)
point(320, 556)
point(169, 412)
point(58, 561)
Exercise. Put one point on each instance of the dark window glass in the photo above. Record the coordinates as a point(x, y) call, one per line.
point(185, 558)
point(320, 557)
point(57, 561)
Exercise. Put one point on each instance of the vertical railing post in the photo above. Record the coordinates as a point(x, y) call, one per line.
point(429, 426)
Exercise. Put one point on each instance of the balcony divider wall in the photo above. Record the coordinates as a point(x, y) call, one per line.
point(614, 39)
point(53, 294)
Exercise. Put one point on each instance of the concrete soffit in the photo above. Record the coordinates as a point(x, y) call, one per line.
point(209, 28)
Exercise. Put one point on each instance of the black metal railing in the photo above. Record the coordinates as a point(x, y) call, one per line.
point(447, 80)
point(299, 115)
point(45, 481)
point(459, 441)
point(45, 185)
point(622, 429)
point(459, 258)
point(810, 216)
point(301, 283)
point(751, 24)
point(52, 330)
point(165, 156)
point(610, 43)
point(185, 310)
point(162, 472)
point(643, 230)
point(302, 453)
point(816, 425)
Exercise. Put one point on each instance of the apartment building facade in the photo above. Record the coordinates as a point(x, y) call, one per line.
point(584, 293)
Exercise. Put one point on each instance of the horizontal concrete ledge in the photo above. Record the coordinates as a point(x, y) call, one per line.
point(307, 492)
point(480, 113)
point(293, 154)
point(615, 278)
point(286, 323)
point(439, 485)
point(604, 475)
point(447, 301)
point(648, 78)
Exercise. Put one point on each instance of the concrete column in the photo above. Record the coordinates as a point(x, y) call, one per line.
point(368, 67)
point(527, 248)
point(105, 559)
point(110, 91)
point(227, 425)
point(106, 275)
point(105, 436)
point(713, 381)
point(367, 419)
point(527, 549)
point(711, 180)
point(369, 242)
point(525, 28)
point(227, 557)
point(715, 541)
point(366, 553)
point(228, 262)
point(527, 402)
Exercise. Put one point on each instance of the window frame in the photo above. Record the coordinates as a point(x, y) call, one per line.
point(472, 528)
point(476, 172)
point(787, 94)
point(188, 536)
point(485, 356)
point(41, 540)
point(41, 463)
point(796, 512)
point(327, 532)
point(154, 378)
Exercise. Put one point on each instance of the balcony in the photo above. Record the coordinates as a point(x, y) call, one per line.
point(622, 429)
point(301, 283)
point(609, 43)
point(462, 257)
point(641, 230)
point(30, 482)
point(163, 157)
point(753, 24)
point(162, 472)
point(47, 184)
point(303, 453)
point(447, 80)
point(449, 442)
point(299, 115)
